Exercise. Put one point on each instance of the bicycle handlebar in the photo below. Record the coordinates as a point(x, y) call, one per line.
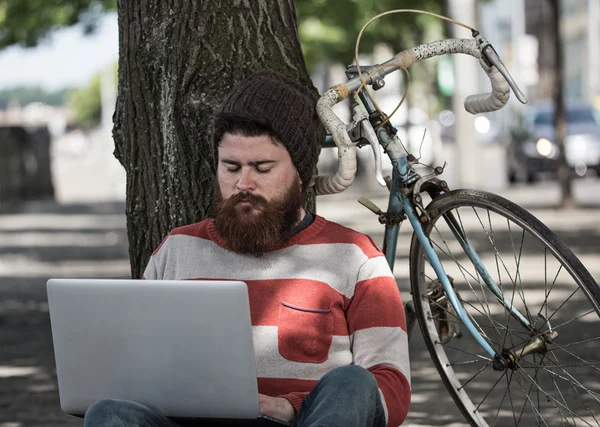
point(478, 47)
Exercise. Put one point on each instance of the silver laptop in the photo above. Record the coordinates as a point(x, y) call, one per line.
point(181, 347)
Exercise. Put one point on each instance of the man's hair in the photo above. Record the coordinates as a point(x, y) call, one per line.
point(269, 103)
point(240, 124)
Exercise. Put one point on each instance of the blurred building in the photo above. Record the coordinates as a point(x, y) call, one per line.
point(579, 31)
point(526, 25)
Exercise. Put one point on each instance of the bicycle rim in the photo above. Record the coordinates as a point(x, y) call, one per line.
point(558, 383)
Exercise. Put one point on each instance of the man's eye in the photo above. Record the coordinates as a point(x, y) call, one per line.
point(232, 168)
point(263, 170)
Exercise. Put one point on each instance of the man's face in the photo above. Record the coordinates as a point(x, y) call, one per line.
point(256, 165)
point(258, 200)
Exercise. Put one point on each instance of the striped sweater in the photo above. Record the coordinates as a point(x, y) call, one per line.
point(324, 300)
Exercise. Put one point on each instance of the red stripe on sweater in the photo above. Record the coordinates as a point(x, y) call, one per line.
point(396, 391)
point(336, 233)
point(273, 300)
point(278, 386)
point(320, 231)
point(199, 229)
point(377, 301)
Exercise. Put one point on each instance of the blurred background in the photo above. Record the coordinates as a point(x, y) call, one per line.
point(58, 90)
point(62, 192)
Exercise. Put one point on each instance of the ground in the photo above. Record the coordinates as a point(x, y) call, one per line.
point(40, 240)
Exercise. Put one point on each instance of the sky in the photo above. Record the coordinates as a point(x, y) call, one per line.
point(68, 58)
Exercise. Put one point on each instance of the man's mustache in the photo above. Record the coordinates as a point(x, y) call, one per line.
point(245, 196)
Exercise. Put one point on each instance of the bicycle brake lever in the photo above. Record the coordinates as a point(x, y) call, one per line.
point(493, 59)
point(369, 133)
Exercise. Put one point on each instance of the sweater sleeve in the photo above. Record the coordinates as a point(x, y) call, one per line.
point(377, 325)
point(154, 270)
point(150, 272)
point(295, 398)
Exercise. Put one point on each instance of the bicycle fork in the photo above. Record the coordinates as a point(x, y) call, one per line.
point(399, 205)
point(508, 358)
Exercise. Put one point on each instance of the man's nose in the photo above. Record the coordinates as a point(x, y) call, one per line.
point(246, 180)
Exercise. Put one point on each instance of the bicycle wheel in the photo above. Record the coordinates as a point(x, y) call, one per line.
point(551, 370)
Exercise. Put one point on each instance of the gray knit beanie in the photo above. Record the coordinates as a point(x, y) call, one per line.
point(286, 108)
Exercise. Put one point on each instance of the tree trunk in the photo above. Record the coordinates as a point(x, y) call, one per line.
point(177, 61)
point(564, 171)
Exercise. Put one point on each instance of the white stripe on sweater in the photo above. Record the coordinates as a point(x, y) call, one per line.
point(385, 409)
point(382, 346)
point(179, 256)
point(374, 267)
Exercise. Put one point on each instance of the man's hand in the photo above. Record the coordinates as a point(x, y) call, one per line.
point(276, 407)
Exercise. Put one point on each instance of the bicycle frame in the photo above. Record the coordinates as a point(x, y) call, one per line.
point(400, 205)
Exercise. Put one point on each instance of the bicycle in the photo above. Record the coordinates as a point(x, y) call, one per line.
point(483, 316)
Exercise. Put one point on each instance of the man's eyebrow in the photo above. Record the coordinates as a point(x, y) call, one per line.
point(255, 163)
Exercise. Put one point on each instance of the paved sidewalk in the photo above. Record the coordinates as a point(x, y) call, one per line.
point(43, 240)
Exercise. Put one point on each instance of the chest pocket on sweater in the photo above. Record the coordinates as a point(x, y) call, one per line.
point(304, 334)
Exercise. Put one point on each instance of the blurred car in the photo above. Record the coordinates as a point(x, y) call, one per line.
point(532, 149)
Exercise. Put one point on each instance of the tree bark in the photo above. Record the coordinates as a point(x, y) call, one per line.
point(564, 171)
point(177, 61)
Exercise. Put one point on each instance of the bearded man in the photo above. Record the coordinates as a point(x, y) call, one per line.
point(328, 322)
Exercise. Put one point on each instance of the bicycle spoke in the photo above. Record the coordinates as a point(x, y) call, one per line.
point(472, 290)
point(518, 272)
point(525, 402)
point(545, 304)
point(463, 271)
point(574, 388)
point(549, 397)
point(557, 388)
point(513, 281)
point(512, 299)
point(571, 380)
point(483, 293)
point(490, 392)
point(561, 325)
point(561, 306)
point(476, 374)
point(483, 358)
point(512, 406)
point(449, 253)
point(469, 244)
point(528, 400)
point(580, 342)
point(468, 362)
point(483, 314)
point(518, 279)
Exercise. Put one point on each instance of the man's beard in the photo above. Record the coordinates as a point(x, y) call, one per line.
point(260, 226)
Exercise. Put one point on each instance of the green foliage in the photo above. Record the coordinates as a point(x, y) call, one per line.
point(329, 28)
point(86, 102)
point(25, 22)
point(23, 95)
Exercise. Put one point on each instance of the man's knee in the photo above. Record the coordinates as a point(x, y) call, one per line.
point(108, 412)
point(352, 377)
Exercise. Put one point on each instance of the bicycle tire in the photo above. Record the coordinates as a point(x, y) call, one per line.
point(558, 385)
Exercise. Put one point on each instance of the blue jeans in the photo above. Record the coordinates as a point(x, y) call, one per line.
point(346, 396)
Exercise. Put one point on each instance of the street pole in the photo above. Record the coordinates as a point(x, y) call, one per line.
point(517, 33)
point(593, 47)
point(466, 83)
